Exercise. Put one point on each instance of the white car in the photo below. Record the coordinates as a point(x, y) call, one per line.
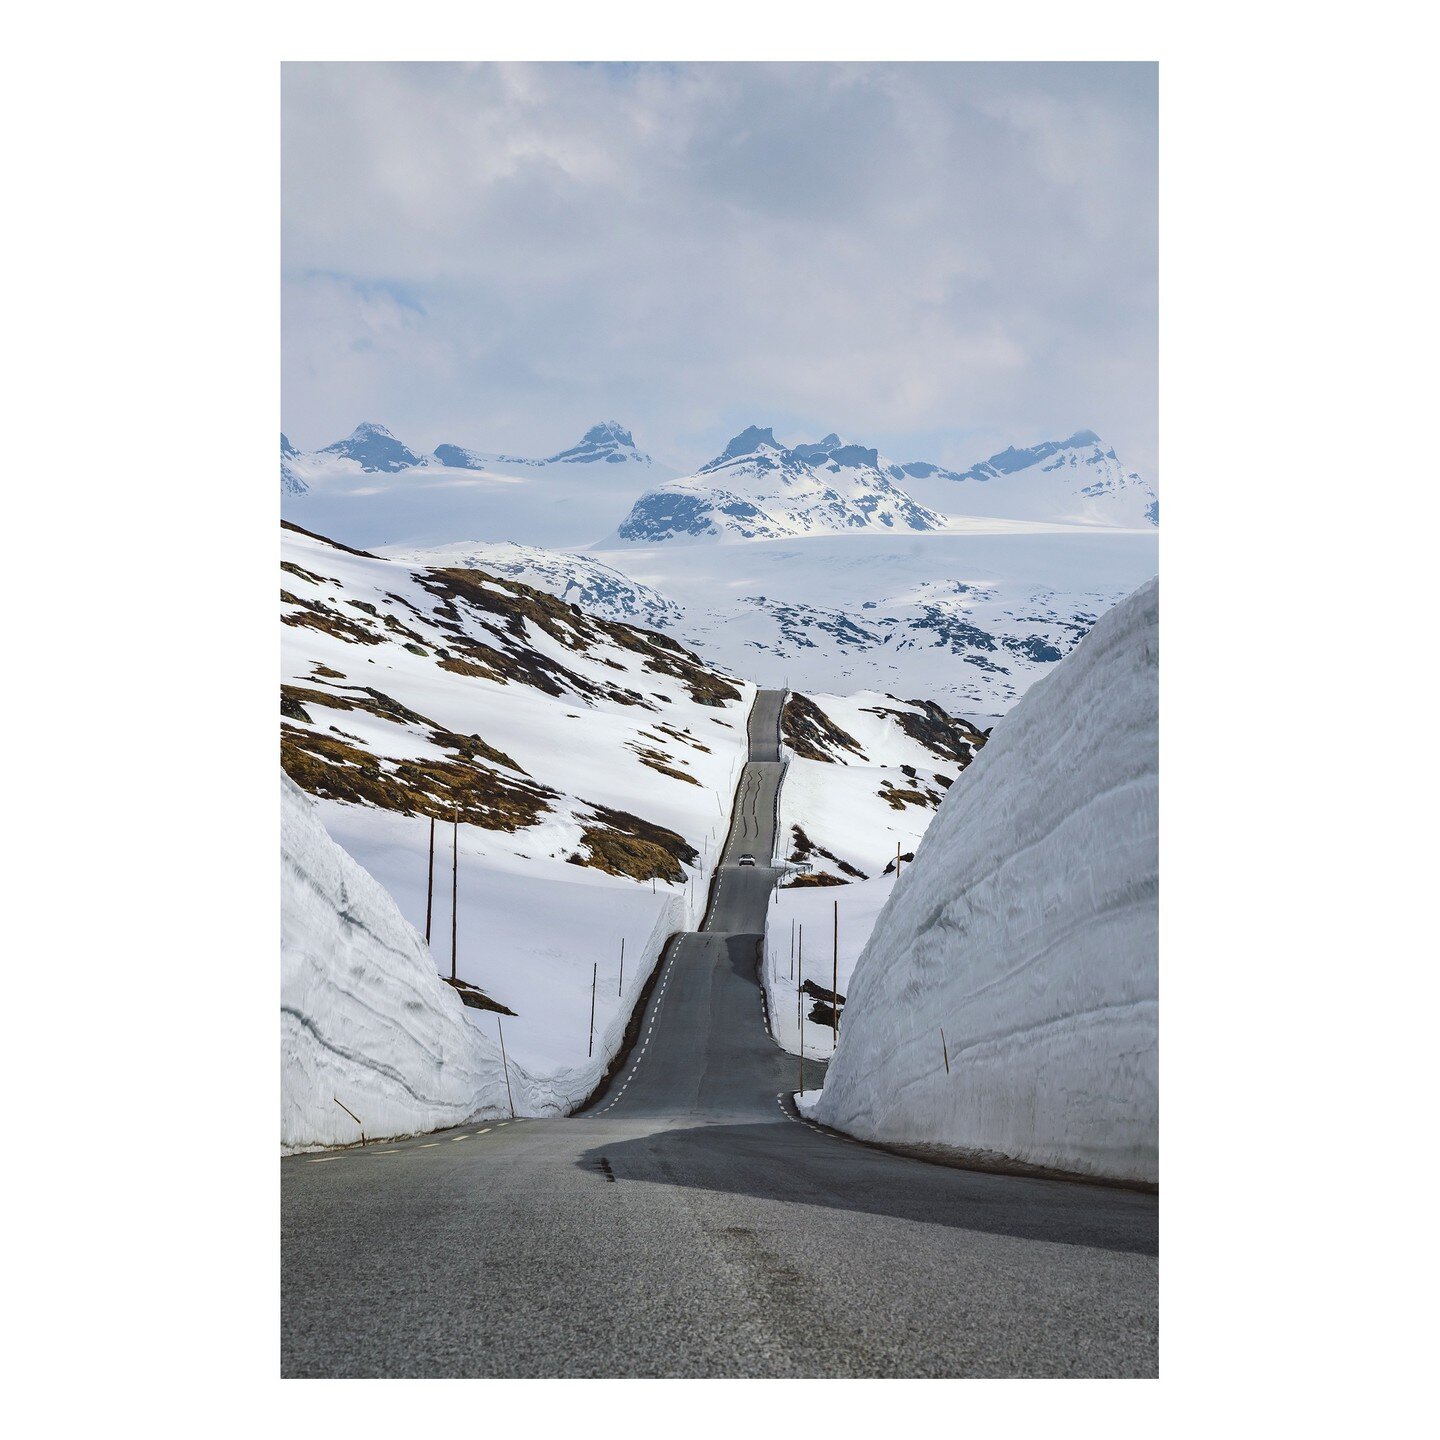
point(746, 860)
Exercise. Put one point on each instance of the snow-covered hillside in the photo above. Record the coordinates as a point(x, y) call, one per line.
point(969, 618)
point(372, 490)
point(591, 765)
point(574, 577)
point(363, 1016)
point(1075, 481)
point(867, 773)
point(759, 489)
point(1026, 929)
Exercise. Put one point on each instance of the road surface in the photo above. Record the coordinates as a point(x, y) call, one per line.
point(688, 1224)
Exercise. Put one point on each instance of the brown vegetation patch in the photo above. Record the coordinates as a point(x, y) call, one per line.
point(811, 733)
point(624, 844)
point(475, 997)
point(817, 877)
point(941, 734)
point(299, 571)
point(898, 799)
point(803, 847)
point(329, 766)
point(315, 616)
point(326, 540)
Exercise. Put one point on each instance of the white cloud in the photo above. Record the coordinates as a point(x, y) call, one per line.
point(919, 255)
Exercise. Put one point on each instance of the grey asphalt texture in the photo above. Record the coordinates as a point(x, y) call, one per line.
point(687, 1224)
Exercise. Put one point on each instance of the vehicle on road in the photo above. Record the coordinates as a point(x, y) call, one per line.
point(746, 860)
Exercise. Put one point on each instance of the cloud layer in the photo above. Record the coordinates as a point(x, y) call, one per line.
point(938, 259)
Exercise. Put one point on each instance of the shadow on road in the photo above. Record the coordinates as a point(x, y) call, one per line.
point(786, 1162)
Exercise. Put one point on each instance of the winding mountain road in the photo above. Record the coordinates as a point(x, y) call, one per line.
point(687, 1224)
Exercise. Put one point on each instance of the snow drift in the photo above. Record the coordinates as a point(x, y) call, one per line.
point(1027, 928)
point(363, 1016)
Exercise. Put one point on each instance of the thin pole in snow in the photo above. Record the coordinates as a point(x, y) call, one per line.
point(621, 990)
point(800, 1014)
point(897, 859)
point(944, 1050)
point(594, 981)
point(430, 882)
point(835, 985)
point(454, 893)
point(504, 1060)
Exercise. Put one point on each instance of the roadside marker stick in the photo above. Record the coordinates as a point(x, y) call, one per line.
point(352, 1115)
point(621, 990)
point(835, 986)
point(430, 882)
point(594, 981)
point(454, 891)
point(800, 1006)
point(505, 1062)
point(944, 1050)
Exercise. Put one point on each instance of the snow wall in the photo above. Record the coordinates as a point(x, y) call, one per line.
point(1027, 928)
point(363, 1016)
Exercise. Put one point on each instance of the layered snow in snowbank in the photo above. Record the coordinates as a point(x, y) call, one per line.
point(1027, 930)
point(363, 1016)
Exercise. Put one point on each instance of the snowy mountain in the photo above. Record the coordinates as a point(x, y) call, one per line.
point(373, 448)
point(1026, 929)
point(758, 489)
point(1076, 481)
point(290, 481)
point(605, 444)
point(589, 765)
point(371, 490)
point(966, 617)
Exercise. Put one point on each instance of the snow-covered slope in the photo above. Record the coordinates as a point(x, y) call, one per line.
point(867, 773)
point(1075, 481)
point(757, 488)
point(576, 578)
point(968, 618)
point(591, 765)
point(363, 1017)
point(1027, 929)
point(371, 490)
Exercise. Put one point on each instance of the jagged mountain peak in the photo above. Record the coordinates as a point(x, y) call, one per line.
point(750, 441)
point(758, 489)
point(373, 447)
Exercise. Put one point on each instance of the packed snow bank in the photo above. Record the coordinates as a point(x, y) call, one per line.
point(364, 1018)
point(1027, 930)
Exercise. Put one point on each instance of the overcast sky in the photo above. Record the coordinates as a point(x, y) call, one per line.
point(936, 259)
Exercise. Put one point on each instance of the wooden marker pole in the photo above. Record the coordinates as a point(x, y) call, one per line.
point(430, 882)
point(621, 990)
point(897, 859)
point(944, 1050)
point(800, 1005)
point(594, 981)
point(504, 1060)
point(792, 947)
point(835, 985)
point(454, 893)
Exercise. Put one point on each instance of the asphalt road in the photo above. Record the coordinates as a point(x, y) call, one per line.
point(688, 1224)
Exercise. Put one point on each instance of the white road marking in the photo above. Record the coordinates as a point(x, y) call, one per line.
point(325, 1158)
point(430, 1146)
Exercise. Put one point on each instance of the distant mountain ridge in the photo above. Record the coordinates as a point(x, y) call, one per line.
point(1076, 480)
point(759, 489)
